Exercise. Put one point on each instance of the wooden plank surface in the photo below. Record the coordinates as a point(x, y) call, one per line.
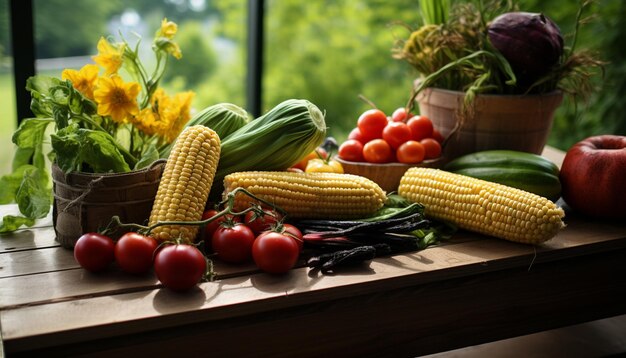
point(46, 300)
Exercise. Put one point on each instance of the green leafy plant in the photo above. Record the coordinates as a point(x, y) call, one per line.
point(94, 121)
point(455, 53)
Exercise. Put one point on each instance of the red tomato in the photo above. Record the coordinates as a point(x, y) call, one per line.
point(295, 233)
point(377, 151)
point(274, 252)
point(399, 115)
point(210, 228)
point(291, 231)
point(94, 252)
point(438, 136)
point(313, 155)
point(179, 267)
point(411, 152)
point(351, 150)
point(357, 135)
point(134, 252)
point(421, 127)
point(258, 224)
point(433, 148)
point(233, 244)
point(371, 124)
point(396, 133)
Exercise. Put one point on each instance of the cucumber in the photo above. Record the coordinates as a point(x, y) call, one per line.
point(503, 159)
point(541, 183)
point(526, 171)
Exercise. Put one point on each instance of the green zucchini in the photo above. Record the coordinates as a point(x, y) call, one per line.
point(223, 118)
point(503, 158)
point(541, 183)
point(275, 141)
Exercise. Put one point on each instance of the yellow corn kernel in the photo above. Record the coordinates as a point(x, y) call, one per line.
point(185, 183)
point(309, 195)
point(481, 206)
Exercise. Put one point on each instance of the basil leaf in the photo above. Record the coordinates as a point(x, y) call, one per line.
point(66, 144)
point(22, 157)
point(41, 84)
point(30, 134)
point(101, 152)
point(12, 223)
point(149, 156)
point(11, 182)
point(33, 197)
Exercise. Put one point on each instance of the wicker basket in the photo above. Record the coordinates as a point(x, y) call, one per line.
point(85, 202)
point(386, 175)
point(515, 122)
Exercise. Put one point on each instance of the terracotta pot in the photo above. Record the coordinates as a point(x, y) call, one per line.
point(515, 122)
point(85, 202)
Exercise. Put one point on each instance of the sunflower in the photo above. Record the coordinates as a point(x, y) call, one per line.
point(116, 98)
point(83, 80)
point(110, 57)
point(168, 29)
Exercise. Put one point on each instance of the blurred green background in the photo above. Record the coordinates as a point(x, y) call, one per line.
point(326, 51)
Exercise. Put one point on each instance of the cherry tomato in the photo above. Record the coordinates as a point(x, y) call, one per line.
point(324, 166)
point(210, 228)
point(421, 127)
point(438, 136)
point(288, 230)
point(411, 152)
point(351, 150)
point(399, 115)
point(134, 252)
point(371, 124)
point(377, 151)
point(396, 133)
point(94, 252)
point(233, 243)
point(295, 233)
point(433, 148)
point(259, 223)
point(179, 267)
point(313, 155)
point(274, 252)
point(357, 135)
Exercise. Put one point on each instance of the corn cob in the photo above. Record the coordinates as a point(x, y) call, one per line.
point(481, 206)
point(185, 184)
point(309, 195)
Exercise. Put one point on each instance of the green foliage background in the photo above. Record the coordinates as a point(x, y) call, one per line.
point(327, 51)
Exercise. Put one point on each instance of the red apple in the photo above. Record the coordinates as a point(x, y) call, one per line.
point(593, 176)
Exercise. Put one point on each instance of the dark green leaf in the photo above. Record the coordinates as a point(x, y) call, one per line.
point(150, 155)
point(34, 197)
point(12, 223)
point(66, 144)
point(101, 152)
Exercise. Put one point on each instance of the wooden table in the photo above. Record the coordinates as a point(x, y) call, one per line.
point(470, 290)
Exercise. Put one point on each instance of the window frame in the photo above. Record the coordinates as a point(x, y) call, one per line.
point(23, 48)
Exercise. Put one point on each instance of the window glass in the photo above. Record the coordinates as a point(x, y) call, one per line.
point(331, 52)
point(212, 55)
point(8, 116)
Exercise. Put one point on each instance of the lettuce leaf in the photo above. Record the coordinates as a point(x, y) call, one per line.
point(33, 196)
point(12, 223)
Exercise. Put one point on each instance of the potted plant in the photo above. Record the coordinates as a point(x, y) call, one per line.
point(104, 127)
point(491, 76)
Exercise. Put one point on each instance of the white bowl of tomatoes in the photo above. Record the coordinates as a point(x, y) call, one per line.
point(382, 148)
